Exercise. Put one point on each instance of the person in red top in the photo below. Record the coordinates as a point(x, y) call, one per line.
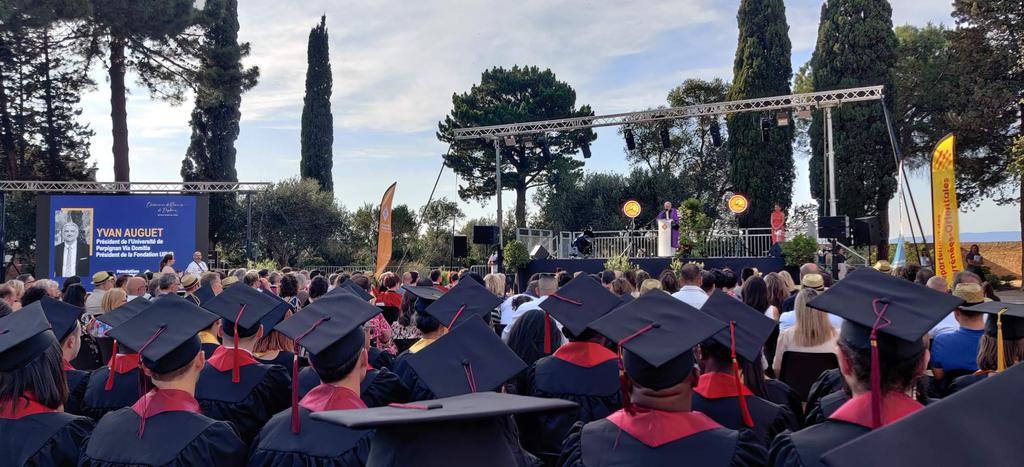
point(435, 277)
point(881, 354)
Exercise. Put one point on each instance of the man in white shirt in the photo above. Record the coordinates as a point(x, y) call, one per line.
point(102, 282)
point(135, 287)
point(691, 293)
point(197, 267)
point(546, 285)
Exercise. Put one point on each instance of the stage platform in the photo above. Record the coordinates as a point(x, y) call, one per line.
point(654, 266)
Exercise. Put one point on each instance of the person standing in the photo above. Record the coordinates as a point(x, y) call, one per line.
point(102, 282)
point(197, 267)
point(167, 264)
point(71, 256)
point(837, 263)
point(975, 261)
point(672, 215)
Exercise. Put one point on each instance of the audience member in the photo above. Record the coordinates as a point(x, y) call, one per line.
point(691, 293)
point(812, 331)
point(955, 353)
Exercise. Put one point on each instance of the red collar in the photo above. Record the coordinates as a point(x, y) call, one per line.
point(22, 407)
point(441, 287)
point(222, 358)
point(584, 354)
point(327, 397)
point(895, 406)
point(389, 298)
point(122, 364)
point(158, 401)
point(655, 427)
point(67, 366)
point(717, 385)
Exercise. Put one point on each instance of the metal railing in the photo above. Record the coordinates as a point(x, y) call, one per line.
point(533, 237)
point(754, 242)
point(610, 243)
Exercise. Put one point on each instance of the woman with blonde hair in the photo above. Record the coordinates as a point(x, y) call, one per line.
point(19, 290)
point(812, 333)
point(114, 298)
point(495, 283)
point(788, 280)
point(648, 285)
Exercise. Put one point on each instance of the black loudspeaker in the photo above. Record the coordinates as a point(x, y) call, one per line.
point(834, 227)
point(485, 234)
point(539, 252)
point(460, 247)
point(867, 231)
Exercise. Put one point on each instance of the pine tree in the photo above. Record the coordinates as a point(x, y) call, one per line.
point(856, 47)
point(220, 84)
point(317, 121)
point(762, 170)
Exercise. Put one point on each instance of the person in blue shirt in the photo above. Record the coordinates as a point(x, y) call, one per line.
point(957, 350)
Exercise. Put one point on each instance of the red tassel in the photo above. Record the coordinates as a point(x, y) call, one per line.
point(626, 387)
point(295, 393)
point(111, 365)
point(456, 317)
point(142, 422)
point(547, 333)
point(881, 322)
point(747, 419)
point(236, 372)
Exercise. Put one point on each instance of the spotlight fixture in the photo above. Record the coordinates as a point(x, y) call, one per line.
point(510, 140)
point(630, 142)
point(585, 147)
point(544, 149)
point(716, 134)
point(528, 142)
point(782, 118)
point(803, 112)
point(666, 142)
point(766, 127)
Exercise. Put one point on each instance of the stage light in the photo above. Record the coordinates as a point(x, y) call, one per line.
point(716, 134)
point(545, 150)
point(630, 142)
point(782, 118)
point(803, 113)
point(510, 140)
point(585, 147)
point(528, 142)
point(766, 130)
point(666, 141)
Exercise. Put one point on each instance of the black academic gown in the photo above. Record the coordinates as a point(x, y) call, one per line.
point(380, 358)
point(208, 349)
point(581, 372)
point(317, 444)
point(804, 448)
point(964, 381)
point(716, 397)
point(263, 390)
point(606, 443)
point(176, 438)
point(379, 387)
point(418, 391)
point(826, 407)
point(77, 381)
point(123, 393)
point(780, 393)
point(47, 438)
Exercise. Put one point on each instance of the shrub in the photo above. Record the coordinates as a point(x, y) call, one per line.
point(800, 249)
point(516, 255)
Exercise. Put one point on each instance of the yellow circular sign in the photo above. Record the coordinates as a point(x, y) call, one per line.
point(631, 209)
point(738, 204)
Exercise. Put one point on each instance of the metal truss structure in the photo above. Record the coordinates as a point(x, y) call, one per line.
point(807, 101)
point(132, 187)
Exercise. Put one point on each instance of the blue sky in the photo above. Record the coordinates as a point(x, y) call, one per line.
point(396, 65)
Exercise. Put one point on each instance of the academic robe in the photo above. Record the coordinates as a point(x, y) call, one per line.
point(35, 435)
point(380, 358)
point(284, 359)
point(105, 394)
point(417, 390)
point(828, 382)
point(165, 428)
point(209, 343)
point(964, 381)
point(380, 387)
point(317, 443)
point(804, 448)
point(654, 438)
point(583, 372)
point(780, 393)
point(826, 407)
point(716, 396)
point(77, 381)
point(262, 391)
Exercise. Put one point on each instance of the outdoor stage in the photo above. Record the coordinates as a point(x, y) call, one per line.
point(654, 266)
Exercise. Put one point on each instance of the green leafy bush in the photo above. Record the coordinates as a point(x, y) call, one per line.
point(516, 255)
point(619, 263)
point(799, 250)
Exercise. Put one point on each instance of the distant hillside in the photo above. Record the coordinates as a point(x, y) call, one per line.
point(977, 237)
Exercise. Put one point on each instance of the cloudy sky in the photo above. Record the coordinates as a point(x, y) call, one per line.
point(397, 63)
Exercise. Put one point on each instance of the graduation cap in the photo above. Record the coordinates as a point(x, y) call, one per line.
point(469, 358)
point(62, 316)
point(886, 315)
point(165, 333)
point(241, 310)
point(24, 335)
point(576, 305)
point(429, 293)
point(115, 318)
point(351, 287)
point(656, 334)
point(409, 434)
point(331, 329)
point(277, 314)
point(987, 417)
point(1008, 324)
point(745, 335)
point(204, 294)
point(466, 299)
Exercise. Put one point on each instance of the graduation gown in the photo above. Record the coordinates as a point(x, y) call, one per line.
point(716, 396)
point(123, 388)
point(853, 419)
point(35, 435)
point(417, 390)
point(174, 433)
point(209, 343)
point(317, 443)
point(77, 381)
point(381, 358)
point(826, 407)
point(653, 438)
point(379, 387)
point(263, 390)
point(967, 380)
point(780, 393)
point(583, 372)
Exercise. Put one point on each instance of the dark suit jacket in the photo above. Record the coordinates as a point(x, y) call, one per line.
point(81, 262)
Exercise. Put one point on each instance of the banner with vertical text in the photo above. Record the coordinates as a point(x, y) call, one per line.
point(384, 231)
point(945, 222)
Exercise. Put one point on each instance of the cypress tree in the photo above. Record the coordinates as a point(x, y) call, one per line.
point(856, 47)
point(761, 170)
point(221, 82)
point(317, 121)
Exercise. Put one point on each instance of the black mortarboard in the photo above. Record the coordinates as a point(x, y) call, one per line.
point(657, 333)
point(119, 315)
point(24, 335)
point(204, 294)
point(466, 299)
point(876, 305)
point(1007, 323)
point(62, 316)
point(986, 416)
point(429, 293)
point(351, 287)
point(331, 329)
point(578, 303)
point(251, 303)
point(470, 358)
point(165, 333)
point(277, 314)
point(408, 435)
point(752, 328)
